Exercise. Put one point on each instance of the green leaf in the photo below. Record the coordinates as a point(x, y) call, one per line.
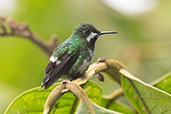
point(82, 109)
point(164, 83)
point(93, 91)
point(145, 98)
point(118, 106)
point(33, 100)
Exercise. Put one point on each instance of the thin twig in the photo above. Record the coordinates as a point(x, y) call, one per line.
point(75, 103)
point(111, 67)
point(81, 94)
point(113, 96)
point(74, 106)
point(51, 100)
point(9, 27)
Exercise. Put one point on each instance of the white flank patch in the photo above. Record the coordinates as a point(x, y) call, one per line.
point(91, 36)
point(83, 66)
point(53, 59)
point(91, 52)
point(58, 62)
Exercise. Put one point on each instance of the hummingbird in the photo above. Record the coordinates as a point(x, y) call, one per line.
point(73, 56)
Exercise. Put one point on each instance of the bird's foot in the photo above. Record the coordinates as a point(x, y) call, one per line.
point(65, 81)
point(101, 59)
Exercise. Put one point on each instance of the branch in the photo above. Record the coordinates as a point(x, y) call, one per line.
point(110, 67)
point(81, 94)
point(74, 88)
point(9, 27)
point(52, 98)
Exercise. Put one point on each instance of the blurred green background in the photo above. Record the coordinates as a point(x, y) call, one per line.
point(142, 44)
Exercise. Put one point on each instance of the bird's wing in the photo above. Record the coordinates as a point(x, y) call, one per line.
point(55, 58)
point(60, 63)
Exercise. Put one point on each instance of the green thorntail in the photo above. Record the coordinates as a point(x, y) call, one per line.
point(73, 56)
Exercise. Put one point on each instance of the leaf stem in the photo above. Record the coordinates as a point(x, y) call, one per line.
point(113, 96)
point(139, 96)
point(74, 106)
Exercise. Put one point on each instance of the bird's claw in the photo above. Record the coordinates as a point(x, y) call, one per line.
point(65, 81)
point(101, 59)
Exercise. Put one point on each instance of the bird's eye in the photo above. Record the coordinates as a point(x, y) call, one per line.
point(85, 31)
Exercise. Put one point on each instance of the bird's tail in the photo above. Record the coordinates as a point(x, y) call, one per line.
point(45, 80)
point(48, 81)
point(51, 79)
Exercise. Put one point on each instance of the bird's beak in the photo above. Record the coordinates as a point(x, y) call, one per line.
point(107, 32)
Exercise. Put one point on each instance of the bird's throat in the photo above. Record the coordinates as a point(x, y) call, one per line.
point(92, 42)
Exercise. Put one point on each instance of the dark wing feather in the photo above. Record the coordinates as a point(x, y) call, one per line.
point(49, 67)
point(66, 63)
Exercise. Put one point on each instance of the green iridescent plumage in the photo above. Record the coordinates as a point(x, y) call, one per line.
point(73, 56)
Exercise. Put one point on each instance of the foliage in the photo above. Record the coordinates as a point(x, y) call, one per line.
point(145, 98)
point(32, 101)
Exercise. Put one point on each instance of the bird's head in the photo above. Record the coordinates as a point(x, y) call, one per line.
point(89, 33)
